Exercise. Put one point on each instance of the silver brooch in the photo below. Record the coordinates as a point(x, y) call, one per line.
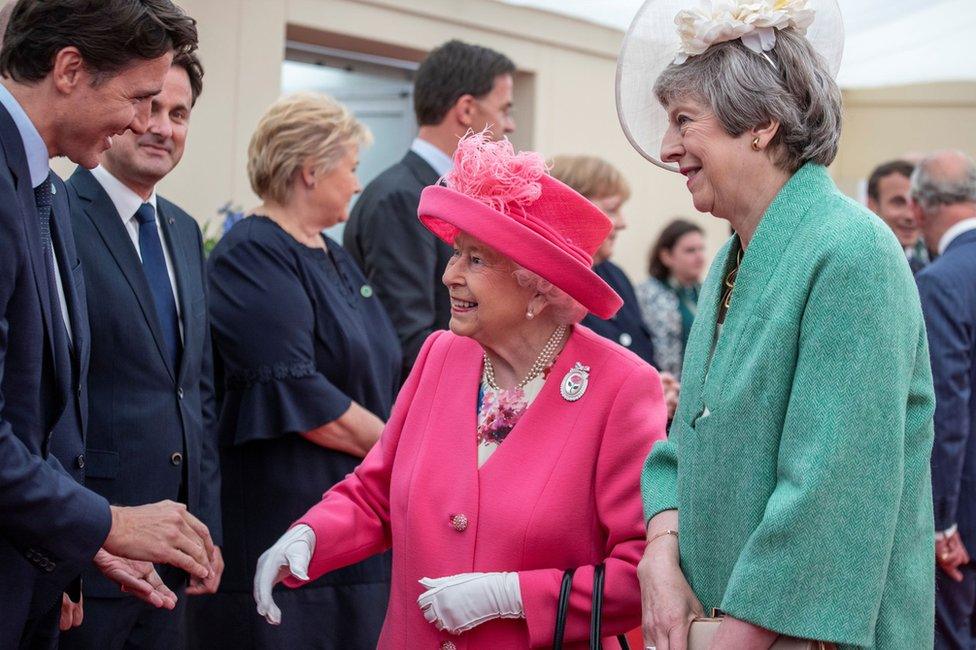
point(574, 383)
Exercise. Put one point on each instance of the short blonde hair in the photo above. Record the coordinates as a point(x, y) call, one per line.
point(592, 177)
point(297, 129)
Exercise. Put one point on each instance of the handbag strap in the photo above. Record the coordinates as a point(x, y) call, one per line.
point(562, 608)
point(596, 611)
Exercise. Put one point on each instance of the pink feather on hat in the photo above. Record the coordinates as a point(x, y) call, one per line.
point(491, 172)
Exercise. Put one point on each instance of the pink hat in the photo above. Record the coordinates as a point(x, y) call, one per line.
point(511, 203)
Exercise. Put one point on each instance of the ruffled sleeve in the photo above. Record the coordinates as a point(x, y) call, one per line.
point(263, 323)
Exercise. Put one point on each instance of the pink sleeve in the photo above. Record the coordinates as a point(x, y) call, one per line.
point(637, 420)
point(352, 521)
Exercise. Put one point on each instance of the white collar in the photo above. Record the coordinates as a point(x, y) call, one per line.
point(957, 229)
point(125, 200)
point(440, 161)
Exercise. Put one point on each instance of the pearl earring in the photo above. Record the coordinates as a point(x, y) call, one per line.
point(529, 315)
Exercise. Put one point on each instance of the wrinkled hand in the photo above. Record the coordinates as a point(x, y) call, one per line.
point(950, 554)
point(672, 389)
point(210, 585)
point(460, 602)
point(161, 532)
point(667, 602)
point(72, 613)
point(137, 578)
point(290, 554)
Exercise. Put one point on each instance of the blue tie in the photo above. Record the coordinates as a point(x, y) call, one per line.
point(44, 200)
point(154, 266)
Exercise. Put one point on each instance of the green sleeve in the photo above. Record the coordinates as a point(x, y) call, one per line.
point(659, 478)
point(817, 564)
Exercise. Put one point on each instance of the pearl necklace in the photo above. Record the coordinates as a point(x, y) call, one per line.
point(546, 356)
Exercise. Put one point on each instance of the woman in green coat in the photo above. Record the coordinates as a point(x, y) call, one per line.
point(798, 460)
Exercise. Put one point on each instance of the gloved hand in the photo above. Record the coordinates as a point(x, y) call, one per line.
point(290, 554)
point(460, 602)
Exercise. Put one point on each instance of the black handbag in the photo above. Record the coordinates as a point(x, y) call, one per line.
point(596, 611)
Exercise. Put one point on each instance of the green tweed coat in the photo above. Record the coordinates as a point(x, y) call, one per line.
point(799, 459)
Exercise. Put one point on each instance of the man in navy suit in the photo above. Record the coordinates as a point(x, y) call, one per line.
point(458, 87)
point(944, 197)
point(150, 386)
point(69, 85)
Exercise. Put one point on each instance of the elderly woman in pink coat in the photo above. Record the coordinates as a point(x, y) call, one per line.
point(515, 447)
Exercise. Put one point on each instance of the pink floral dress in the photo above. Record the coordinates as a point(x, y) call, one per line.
point(500, 410)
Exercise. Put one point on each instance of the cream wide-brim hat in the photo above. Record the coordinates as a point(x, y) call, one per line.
point(651, 44)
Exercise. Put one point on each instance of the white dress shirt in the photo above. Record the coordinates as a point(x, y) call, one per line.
point(38, 162)
point(126, 204)
point(957, 229)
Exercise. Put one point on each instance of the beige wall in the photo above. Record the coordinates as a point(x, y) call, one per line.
point(565, 103)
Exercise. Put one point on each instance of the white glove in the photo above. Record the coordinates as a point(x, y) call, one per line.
point(290, 554)
point(461, 602)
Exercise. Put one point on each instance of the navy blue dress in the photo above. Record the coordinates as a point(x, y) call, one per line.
point(299, 335)
point(626, 327)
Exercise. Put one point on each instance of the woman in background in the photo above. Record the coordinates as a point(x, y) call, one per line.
point(605, 187)
point(669, 297)
point(311, 364)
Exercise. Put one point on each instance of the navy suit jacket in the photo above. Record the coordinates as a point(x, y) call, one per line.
point(49, 524)
point(150, 426)
point(401, 259)
point(947, 287)
point(626, 327)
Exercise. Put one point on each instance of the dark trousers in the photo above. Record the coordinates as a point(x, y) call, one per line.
point(127, 623)
point(955, 610)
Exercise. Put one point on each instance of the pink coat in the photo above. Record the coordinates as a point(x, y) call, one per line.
point(561, 491)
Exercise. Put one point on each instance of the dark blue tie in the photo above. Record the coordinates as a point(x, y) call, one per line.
point(44, 200)
point(154, 266)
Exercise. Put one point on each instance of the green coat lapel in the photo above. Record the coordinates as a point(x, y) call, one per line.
point(755, 280)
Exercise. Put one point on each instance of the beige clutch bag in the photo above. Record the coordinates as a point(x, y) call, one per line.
point(703, 629)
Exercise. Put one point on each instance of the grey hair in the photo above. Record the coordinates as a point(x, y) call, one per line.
point(565, 309)
point(744, 91)
point(935, 184)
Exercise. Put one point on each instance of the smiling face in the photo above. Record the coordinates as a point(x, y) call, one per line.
point(144, 160)
point(718, 167)
point(93, 114)
point(611, 206)
point(894, 206)
point(487, 302)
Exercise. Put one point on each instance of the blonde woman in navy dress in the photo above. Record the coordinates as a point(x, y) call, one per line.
point(310, 368)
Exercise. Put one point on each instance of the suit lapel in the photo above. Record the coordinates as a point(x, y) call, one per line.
point(420, 168)
point(74, 295)
point(100, 210)
point(17, 162)
point(178, 254)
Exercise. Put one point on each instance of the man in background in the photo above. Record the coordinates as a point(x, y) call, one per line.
point(459, 87)
point(150, 384)
point(944, 196)
point(889, 198)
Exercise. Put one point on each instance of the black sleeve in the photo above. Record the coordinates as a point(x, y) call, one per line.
point(263, 321)
point(401, 265)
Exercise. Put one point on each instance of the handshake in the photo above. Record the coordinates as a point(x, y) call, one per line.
point(163, 532)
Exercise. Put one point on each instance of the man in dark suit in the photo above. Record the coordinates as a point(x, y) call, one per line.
point(889, 198)
point(459, 87)
point(69, 84)
point(944, 198)
point(151, 415)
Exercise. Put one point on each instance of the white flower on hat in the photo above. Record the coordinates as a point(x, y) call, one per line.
point(755, 23)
